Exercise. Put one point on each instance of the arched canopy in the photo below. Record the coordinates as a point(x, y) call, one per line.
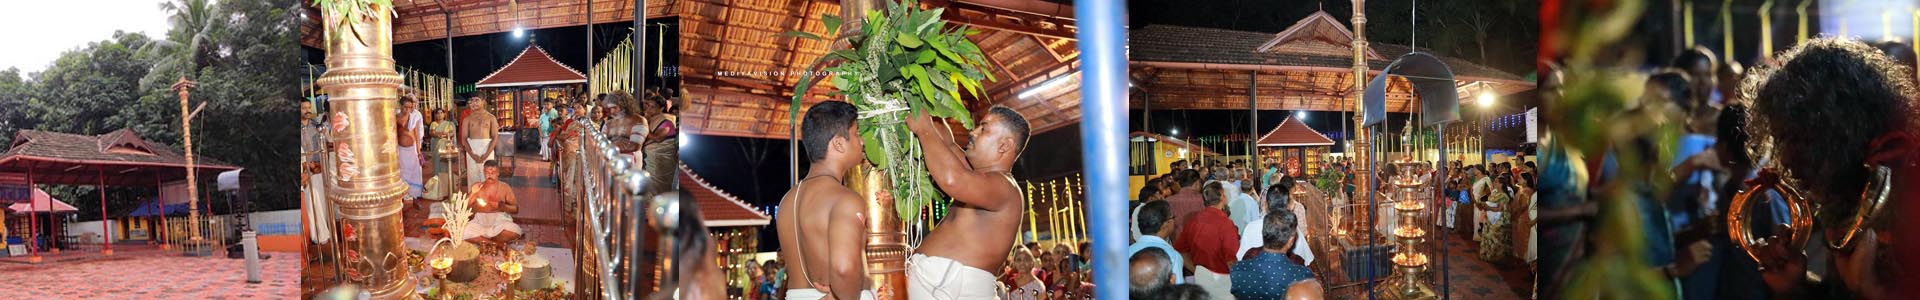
point(1433, 87)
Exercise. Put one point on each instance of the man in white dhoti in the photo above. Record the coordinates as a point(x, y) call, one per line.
point(412, 129)
point(479, 127)
point(313, 155)
point(978, 232)
point(493, 205)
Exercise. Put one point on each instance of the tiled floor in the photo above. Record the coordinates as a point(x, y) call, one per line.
point(151, 274)
point(1468, 277)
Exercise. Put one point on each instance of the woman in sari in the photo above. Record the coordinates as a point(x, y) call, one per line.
point(1494, 235)
point(662, 143)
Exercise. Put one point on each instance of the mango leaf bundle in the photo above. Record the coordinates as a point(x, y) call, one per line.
point(903, 61)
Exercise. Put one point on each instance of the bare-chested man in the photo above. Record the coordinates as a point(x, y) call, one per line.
point(493, 203)
point(823, 230)
point(976, 234)
point(479, 127)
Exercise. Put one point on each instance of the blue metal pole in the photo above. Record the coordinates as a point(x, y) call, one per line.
point(1373, 205)
point(1103, 104)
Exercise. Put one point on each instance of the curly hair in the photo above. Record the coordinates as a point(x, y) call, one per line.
point(1818, 111)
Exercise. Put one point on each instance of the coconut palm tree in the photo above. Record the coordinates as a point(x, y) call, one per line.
point(190, 43)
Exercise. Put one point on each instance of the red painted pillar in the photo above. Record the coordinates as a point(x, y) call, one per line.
point(106, 234)
point(160, 186)
point(33, 222)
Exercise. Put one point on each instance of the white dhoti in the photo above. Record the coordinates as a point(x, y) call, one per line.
point(939, 278)
point(410, 172)
point(474, 172)
point(813, 294)
point(319, 213)
point(487, 225)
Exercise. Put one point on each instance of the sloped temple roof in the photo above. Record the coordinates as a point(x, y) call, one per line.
point(1292, 133)
point(121, 158)
point(718, 208)
point(1308, 66)
point(532, 67)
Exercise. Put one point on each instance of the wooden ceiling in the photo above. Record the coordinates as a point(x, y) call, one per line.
point(747, 72)
point(421, 20)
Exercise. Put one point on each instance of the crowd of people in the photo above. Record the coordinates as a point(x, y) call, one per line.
point(1211, 229)
point(1831, 118)
point(1206, 230)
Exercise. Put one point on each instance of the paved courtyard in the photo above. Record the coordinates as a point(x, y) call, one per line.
point(151, 274)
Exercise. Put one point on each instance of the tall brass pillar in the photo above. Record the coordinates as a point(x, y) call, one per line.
point(1358, 156)
point(886, 251)
point(361, 87)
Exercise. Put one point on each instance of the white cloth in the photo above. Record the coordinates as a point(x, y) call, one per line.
point(546, 153)
point(813, 294)
point(1533, 214)
point(410, 156)
point(487, 225)
point(319, 213)
point(939, 278)
point(1219, 286)
point(474, 174)
point(1242, 208)
point(1250, 236)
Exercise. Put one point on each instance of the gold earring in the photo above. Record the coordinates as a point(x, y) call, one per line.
point(1868, 209)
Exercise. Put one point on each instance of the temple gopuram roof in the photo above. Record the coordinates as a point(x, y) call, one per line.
point(1292, 133)
point(532, 67)
point(748, 71)
point(1308, 66)
point(718, 208)
point(119, 158)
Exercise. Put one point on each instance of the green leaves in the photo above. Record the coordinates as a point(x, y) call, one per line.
point(903, 57)
point(801, 34)
point(833, 23)
point(908, 40)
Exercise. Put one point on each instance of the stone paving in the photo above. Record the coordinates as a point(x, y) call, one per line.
point(151, 274)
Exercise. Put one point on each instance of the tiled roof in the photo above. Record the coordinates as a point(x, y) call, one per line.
point(718, 208)
point(119, 158)
point(1171, 43)
point(532, 67)
point(1138, 136)
point(1292, 133)
point(94, 149)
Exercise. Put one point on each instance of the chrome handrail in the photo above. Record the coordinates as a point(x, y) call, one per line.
point(611, 196)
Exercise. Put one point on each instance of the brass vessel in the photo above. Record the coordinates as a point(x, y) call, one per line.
point(365, 186)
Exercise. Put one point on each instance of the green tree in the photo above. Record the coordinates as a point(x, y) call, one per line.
point(191, 42)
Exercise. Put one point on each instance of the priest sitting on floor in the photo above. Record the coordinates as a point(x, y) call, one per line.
point(492, 202)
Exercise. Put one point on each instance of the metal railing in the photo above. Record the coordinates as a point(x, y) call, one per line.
point(608, 199)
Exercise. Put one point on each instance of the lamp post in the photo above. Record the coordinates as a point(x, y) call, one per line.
point(1486, 112)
